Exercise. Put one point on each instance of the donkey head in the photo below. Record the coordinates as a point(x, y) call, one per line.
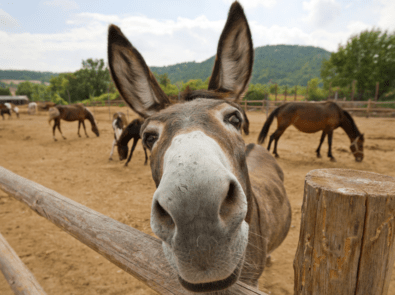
point(200, 208)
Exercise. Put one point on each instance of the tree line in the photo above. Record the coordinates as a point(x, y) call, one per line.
point(351, 72)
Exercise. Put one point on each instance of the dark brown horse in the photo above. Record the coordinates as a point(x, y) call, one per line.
point(119, 123)
point(132, 131)
point(76, 112)
point(311, 117)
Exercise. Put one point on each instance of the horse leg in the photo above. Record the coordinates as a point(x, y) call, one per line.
point(131, 151)
point(275, 136)
point(146, 157)
point(60, 130)
point(112, 149)
point(83, 125)
point(319, 146)
point(79, 125)
point(53, 130)
point(330, 135)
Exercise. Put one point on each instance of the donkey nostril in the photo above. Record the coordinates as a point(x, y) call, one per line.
point(162, 216)
point(229, 202)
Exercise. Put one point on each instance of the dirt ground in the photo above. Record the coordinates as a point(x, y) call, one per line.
point(79, 169)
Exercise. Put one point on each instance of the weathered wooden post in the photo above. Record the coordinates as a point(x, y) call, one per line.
point(21, 280)
point(376, 96)
point(369, 109)
point(347, 239)
point(275, 92)
point(296, 88)
point(245, 105)
point(285, 93)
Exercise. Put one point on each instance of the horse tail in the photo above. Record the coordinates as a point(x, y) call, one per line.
point(53, 113)
point(266, 126)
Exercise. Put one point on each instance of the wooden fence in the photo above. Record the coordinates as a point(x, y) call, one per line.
point(346, 244)
point(367, 108)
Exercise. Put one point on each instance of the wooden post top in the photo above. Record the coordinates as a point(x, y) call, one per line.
point(352, 182)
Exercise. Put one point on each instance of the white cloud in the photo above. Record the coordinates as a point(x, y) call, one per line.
point(63, 4)
point(321, 12)
point(161, 42)
point(387, 15)
point(7, 22)
point(247, 4)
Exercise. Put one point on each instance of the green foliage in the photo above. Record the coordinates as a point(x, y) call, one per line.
point(367, 58)
point(56, 98)
point(25, 88)
point(256, 92)
point(283, 64)
point(5, 91)
point(315, 92)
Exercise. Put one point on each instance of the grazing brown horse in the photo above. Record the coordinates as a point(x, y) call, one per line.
point(4, 110)
point(219, 207)
point(131, 131)
point(46, 105)
point(119, 123)
point(311, 117)
point(76, 112)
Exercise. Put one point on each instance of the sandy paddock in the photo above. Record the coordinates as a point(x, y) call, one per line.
point(79, 169)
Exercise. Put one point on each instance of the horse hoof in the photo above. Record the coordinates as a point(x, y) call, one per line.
point(333, 160)
point(110, 159)
point(276, 156)
point(55, 139)
point(319, 156)
point(64, 138)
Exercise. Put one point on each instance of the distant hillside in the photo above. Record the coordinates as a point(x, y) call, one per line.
point(283, 64)
point(26, 75)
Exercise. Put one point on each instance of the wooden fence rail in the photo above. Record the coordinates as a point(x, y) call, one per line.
point(135, 252)
point(16, 273)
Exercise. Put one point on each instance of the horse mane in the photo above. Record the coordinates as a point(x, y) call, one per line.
point(90, 116)
point(351, 120)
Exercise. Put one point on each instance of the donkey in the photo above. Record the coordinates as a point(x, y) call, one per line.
point(311, 117)
point(72, 113)
point(131, 131)
point(119, 123)
point(13, 108)
point(220, 208)
point(5, 110)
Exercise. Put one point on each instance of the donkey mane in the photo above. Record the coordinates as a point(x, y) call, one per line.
point(189, 95)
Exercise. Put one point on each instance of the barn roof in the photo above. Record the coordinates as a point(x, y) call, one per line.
point(13, 98)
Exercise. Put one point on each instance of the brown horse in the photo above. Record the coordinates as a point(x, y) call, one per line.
point(311, 117)
point(119, 123)
point(76, 112)
point(220, 207)
point(46, 105)
point(5, 110)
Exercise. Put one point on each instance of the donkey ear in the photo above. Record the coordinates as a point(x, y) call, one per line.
point(235, 55)
point(134, 80)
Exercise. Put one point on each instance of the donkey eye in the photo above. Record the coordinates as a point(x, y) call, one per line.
point(150, 139)
point(235, 120)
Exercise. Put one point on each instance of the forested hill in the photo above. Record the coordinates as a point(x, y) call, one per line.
point(283, 64)
point(26, 75)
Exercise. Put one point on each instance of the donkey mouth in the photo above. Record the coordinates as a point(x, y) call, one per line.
point(213, 286)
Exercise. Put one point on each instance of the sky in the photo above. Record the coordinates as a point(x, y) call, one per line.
point(56, 35)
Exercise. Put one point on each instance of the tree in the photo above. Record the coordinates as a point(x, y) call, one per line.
point(5, 91)
point(25, 88)
point(367, 58)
